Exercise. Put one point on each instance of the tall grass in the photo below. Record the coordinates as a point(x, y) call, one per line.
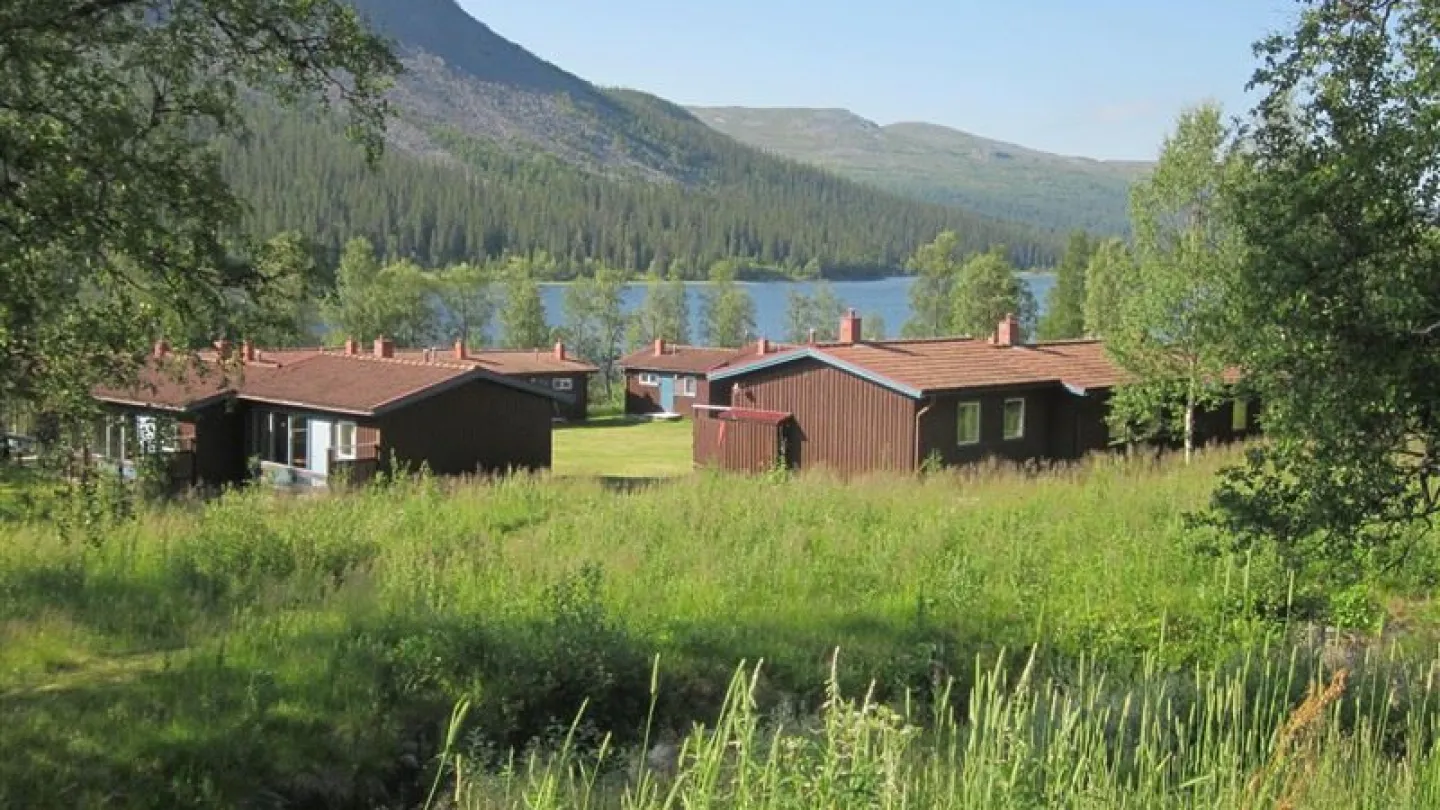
point(1233, 737)
point(265, 648)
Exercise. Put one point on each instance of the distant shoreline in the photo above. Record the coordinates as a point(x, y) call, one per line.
point(640, 281)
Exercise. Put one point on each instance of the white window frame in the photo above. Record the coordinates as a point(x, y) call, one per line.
point(649, 379)
point(686, 386)
point(1239, 415)
point(344, 451)
point(1019, 434)
point(562, 383)
point(962, 407)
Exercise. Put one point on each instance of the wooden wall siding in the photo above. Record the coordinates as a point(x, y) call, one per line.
point(1077, 425)
point(939, 430)
point(643, 399)
point(476, 427)
point(735, 445)
point(842, 422)
point(221, 455)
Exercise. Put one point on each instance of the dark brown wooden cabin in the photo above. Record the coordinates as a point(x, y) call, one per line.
point(856, 406)
point(667, 378)
point(555, 368)
point(307, 416)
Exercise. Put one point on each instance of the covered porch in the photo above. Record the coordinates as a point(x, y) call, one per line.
point(311, 449)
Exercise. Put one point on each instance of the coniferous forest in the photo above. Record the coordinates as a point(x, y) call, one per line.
point(473, 198)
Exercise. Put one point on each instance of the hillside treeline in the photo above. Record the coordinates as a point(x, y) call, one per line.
point(475, 200)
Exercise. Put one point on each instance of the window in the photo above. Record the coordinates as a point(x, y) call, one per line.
point(1014, 419)
point(1239, 415)
point(685, 386)
point(299, 441)
point(280, 438)
point(562, 383)
point(110, 438)
point(649, 379)
point(156, 434)
point(967, 423)
point(345, 438)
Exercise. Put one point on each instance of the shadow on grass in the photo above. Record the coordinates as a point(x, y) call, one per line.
point(612, 422)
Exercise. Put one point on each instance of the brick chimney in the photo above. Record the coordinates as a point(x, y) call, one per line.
point(559, 350)
point(461, 353)
point(850, 327)
point(659, 346)
point(247, 351)
point(762, 346)
point(162, 348)
point(1008, 333)
point(384, 347)
point(352, 346)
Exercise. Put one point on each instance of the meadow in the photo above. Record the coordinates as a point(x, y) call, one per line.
point(1024, 640)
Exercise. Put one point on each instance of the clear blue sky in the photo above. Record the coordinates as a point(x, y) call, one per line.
point(1101, 78)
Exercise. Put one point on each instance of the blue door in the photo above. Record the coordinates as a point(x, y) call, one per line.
point(667, 394)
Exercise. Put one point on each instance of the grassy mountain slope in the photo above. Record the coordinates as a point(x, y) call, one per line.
point(532, 157)
point(938, 164)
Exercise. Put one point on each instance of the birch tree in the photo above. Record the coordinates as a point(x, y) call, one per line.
point(1172, 324)
point(937, 267)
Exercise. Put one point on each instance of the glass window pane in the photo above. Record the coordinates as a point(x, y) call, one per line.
point(345, 440)
point(299, 441)
point(967, 426)
point(279, 438)
point(1014, 418)
point(1239, 415)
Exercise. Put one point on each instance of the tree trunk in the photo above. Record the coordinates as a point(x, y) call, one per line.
point(1189, 425)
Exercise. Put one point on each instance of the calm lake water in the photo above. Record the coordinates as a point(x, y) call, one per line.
point(888, 297)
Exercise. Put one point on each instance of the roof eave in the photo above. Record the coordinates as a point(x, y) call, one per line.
point(820, 356)
point(306, 406)
point(188, 407)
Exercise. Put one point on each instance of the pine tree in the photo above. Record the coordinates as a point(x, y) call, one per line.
point(1065, 307)
point(522, 318)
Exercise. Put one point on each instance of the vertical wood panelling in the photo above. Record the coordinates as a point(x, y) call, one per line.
point(735, 445)
point(842, 422)
point(480, 426)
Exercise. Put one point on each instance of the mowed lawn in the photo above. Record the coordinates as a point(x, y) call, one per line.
point(614, 446)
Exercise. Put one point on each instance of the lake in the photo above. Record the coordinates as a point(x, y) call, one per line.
point(887, 297)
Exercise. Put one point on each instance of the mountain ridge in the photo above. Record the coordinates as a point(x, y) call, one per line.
point(533, 158)
point(936, 163)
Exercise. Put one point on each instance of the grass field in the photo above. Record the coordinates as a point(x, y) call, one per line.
point(263, 651)
point(614, 446)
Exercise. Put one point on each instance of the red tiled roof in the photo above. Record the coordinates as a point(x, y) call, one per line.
point(509, 362)
point(322, 380)
point(361, 384)
point(694, 359)
point(175, 384)
point(945, 364)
